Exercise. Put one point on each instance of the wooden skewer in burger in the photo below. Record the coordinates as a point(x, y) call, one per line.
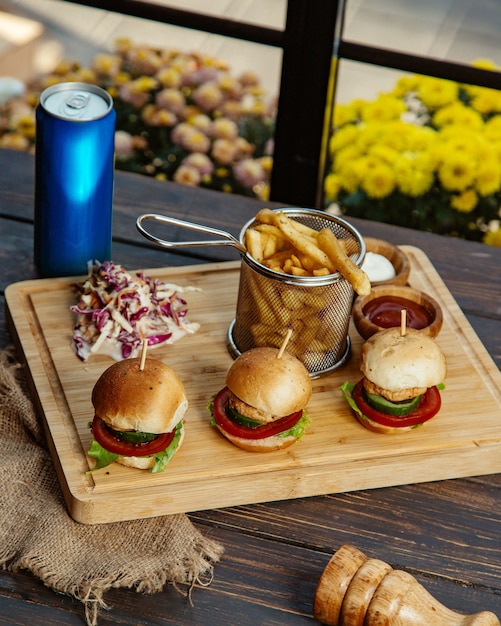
point(403, 372)
point(261, 408)
point(139, 408)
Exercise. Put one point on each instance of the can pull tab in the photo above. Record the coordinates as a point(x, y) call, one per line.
point(75, 105)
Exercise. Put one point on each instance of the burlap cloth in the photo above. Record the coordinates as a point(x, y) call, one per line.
point(37, 533)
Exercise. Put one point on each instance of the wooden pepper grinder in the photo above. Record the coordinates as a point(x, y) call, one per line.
point(357, 591)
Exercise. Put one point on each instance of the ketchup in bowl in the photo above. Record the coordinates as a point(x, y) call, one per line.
point(386, 312)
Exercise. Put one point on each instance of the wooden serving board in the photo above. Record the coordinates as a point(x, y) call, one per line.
point(337, 454)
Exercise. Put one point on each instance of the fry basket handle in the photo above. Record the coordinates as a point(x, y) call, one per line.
point(225, 239)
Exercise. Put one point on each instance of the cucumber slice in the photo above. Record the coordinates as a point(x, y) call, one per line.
point(399, 409)
point(133, 436)
point(241, 420)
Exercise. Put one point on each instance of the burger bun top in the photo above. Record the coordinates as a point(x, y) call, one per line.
point(150, 400)
point(394, 361)
point(279, 386)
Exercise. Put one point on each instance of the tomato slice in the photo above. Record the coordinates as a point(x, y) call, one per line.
point(124, 448)
point(429, 406)
point(259, 432)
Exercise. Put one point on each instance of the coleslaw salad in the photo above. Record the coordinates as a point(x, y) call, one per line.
point(117, 311)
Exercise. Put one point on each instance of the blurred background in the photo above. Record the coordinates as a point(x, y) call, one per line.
point(48, 31)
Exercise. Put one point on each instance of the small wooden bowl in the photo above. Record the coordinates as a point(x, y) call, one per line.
point(394, 254)
point(367, 328)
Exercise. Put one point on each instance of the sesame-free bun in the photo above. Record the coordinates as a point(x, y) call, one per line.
point(395, 362)
point(278, 386)
point(150, 400)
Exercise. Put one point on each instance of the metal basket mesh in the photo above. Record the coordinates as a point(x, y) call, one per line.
point(317, 309)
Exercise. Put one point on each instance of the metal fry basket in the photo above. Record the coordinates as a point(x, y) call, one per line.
point(316, 309)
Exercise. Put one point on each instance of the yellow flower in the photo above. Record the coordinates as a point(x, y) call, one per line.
point(457, 171)
point(486, 101)
point(493, 238)
point(454, 139)
point(395, 135)
point(485, 64)
point(488, 176)
point(464, 202)
point(385, 153)
point(350, 179)
point(332, 186)
point(379, 181)
point(350, 153)
point(413, 175)
point(369, 135)
point(384, 108)
point(436, 92)
point(406, 84)
point(458, 114)
point(492, 128)
point(343, 137)
point(344, 114)
point(420, 138)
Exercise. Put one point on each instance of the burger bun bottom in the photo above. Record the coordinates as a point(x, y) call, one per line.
point(268, 444)
point(146, 462)
point(375, 427)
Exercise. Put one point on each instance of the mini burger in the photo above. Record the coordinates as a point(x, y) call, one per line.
point(402, 378)
point(261, 408)
point(139, 414)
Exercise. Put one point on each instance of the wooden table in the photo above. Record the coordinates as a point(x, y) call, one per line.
point(447, 534)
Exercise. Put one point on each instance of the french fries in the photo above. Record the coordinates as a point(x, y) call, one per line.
point(318, 315)
point(358, 279)
point(290, 247)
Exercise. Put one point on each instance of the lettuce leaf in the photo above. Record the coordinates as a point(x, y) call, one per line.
point(299, 427)
point(347, 389)
point(162, 458)
point(105, 458)
point(102, 456)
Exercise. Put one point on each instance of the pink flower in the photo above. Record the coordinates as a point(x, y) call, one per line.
point(249, 79)
point(249, 173)
point(200, 162)
point(202, 122)
point(208, 96)
point(170, 99)
point(190, 138)
point(224, 128)
point(107, 64)
point(124, 147)
point(134, 94)
point(169, 77)
point(187, 175)
point(154, 116)
point(224, 151)
point(143, 60)
point(199, 76)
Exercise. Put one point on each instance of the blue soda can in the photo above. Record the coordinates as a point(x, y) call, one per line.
point(74, 174)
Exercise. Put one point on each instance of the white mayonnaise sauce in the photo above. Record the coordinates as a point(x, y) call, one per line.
point(378, 267)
